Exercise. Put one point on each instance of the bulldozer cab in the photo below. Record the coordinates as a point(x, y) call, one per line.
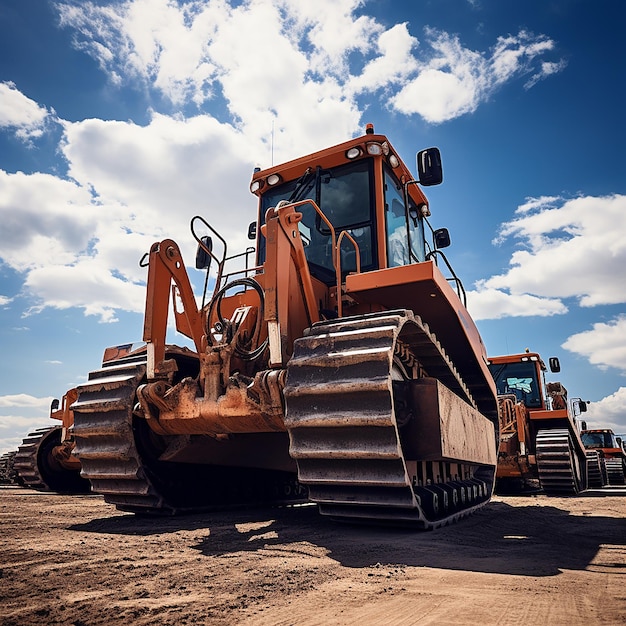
point(364, 190)
point(599, 439)
point(520, 378)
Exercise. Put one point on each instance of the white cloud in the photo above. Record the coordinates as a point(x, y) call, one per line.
point(608, 412)
point(456, 80)
point(604, 345)
point(21, 414)
point(285, 76)
point(24, 400)
point(546, 69)
point(4, 300)
point(493, 304)
point(571, 249)
point(268, 57)
point(20, 113)
point(42, 217)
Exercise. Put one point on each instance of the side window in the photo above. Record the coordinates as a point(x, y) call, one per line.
point(395, 224)
point(416, 234)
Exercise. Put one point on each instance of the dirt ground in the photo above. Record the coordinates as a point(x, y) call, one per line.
point(75, 560)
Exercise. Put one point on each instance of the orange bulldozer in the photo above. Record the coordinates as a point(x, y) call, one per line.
point(334, 362)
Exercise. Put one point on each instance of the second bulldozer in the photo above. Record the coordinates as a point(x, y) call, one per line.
point(339, 367)
point(540, 441)
point(609, 448)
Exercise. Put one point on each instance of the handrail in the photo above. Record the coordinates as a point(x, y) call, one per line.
point(460, 290)
point(337, 252)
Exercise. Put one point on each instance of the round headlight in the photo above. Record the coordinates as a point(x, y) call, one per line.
point(273, 179)
point(255, 185)
point(374, 149)
point(353, 153)
point(393, 161)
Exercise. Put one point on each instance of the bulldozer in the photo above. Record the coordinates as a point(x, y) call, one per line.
point(44, 460)
point(540, 443)
point(610, 449)
point(334, 363)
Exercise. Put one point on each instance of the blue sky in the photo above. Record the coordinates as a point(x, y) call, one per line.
point(119, 121)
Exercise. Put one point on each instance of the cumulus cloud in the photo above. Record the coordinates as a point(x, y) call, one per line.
point(604, 345)
point(24, 400)
point(77, 240)
point(568, 248)
point(485, 303)
point(21, 114)
point(323, 52)
point(455, 80)
point(608, 412)
point(21, 414)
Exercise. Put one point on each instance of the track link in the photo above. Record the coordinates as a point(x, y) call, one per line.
point(8, 475)
point(105, 440)
point(595, 477)
point(119, 455)
point(37, 468)
point(556, 463)
point(25, 462)
point(614, 471)
point(343, 429)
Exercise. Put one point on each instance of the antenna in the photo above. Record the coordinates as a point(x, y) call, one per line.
point(272, 143)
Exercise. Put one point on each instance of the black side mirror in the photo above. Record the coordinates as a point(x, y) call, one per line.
point(582, 405)
point(555, 365)
point(429, 170)
point(619, 441)
point(54, 405)
point(441, 237)
point(583, 425)
point(203, 258)
point(252, 230)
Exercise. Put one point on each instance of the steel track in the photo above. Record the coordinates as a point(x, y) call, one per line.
point(343, 429)
point(8, 475)
point(614, 471)
point(595, 479)
point(556, 463)
point(25, 462)
point(119, 455)
point(38, 469)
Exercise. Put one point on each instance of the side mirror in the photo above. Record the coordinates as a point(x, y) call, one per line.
point(429, 170)
point(54, 405)
point(252, 230)
point(441, 237)
point(583, 425)
point(582, 405)
point(203, 258)
point(555, 365)
point(619, 441)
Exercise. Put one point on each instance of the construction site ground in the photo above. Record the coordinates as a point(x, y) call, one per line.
point(75, 560)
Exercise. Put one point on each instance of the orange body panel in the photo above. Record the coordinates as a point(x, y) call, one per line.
point(421, 287)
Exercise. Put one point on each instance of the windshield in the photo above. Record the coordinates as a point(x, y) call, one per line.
point(345, 195)
point(519, 379)
point(598, 440)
